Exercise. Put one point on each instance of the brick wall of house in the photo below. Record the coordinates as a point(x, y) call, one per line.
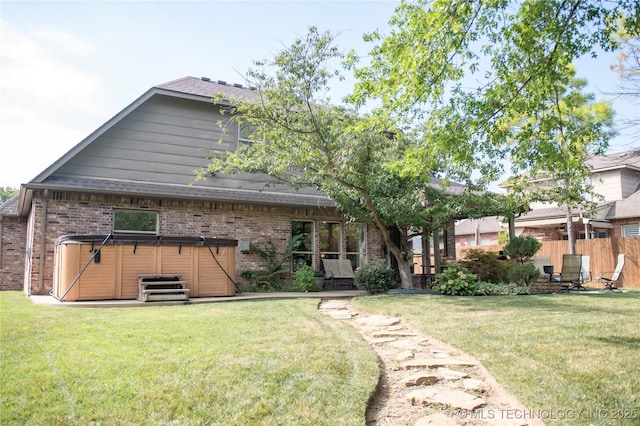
point(69, 213)
point(13, 231)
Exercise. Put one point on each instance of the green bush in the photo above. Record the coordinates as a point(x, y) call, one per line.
point(305, 279)
point(276, 268)
point(484, 288)
point(456, 280)
point(486, 265)
point(524, 275)
point(375, 278)
point(522, 249)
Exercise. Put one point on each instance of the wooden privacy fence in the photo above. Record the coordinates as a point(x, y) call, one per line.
point(603, 251)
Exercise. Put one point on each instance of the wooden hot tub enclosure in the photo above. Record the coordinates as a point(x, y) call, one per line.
point(108, 267)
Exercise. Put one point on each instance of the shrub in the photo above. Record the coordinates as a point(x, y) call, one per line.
point(375, 278)
point(456, 280)
point(522, 249)
point(272, 276)
point(524, 275)
point(305, 278)
point(486, 265)
point(484, 288)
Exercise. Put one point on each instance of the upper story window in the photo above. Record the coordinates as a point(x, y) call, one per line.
point(135, 221)
point(247, 133)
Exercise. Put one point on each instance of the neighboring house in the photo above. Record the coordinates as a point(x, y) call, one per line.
point(479, 232)
point(615, 177)
point(136, 174)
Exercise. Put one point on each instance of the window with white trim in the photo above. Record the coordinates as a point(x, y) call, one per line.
point(632, 230)
point(247, 133)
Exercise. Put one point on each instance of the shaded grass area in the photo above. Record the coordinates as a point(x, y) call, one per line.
point(569, 354)
point(261, 362)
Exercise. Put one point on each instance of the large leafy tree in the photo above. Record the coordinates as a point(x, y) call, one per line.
point(628, 70)
point(469, 70)
point(302, 138)
point(573, 128)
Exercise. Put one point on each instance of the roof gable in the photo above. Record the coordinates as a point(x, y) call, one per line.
point(154, 145)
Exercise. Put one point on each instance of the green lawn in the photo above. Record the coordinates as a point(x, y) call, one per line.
point(566, 354)
point(261, 363)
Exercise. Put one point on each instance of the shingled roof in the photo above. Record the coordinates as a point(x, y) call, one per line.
point(626, 159)
point(207, 88)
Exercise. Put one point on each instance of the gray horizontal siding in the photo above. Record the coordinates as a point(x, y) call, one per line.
point(163, 141)
point(157, 147)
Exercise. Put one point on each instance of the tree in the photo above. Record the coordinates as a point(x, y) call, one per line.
point(7, 192)
point(573, 129)
point(628, 68)
point(468, 71)
point(301, 138)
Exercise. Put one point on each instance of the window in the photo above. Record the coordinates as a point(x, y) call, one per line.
point(356, 244)
point(304, 254)
point(632, 230)
point(247, 133)
point(135, 221)
point(329, 233)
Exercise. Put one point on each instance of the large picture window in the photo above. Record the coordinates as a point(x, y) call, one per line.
point(356, 244)
point(135, 221)
point(304, 254)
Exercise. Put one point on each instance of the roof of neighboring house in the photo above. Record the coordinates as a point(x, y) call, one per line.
point(486, 225)
point(600, 163)
point(552, 216)
point(627, 208)
point(616, 160)
point(10, 207)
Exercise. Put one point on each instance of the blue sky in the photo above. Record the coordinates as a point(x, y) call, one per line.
point(68, 67)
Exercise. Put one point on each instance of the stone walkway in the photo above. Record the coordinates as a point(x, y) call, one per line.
point(426, 382)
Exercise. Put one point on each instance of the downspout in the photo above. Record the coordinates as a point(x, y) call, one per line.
point(43, 240)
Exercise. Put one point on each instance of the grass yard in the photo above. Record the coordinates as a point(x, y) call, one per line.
point(260, 363)
point(574, 358)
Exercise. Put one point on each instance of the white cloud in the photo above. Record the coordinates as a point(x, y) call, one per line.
point(45, 98)
point(32, 72)
point(65, 41)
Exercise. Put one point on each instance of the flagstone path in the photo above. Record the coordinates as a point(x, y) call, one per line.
point(426, 382)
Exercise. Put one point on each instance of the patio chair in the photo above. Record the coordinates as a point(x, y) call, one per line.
point(612, 278)
point(338, 272)
point(569, 276)
point(585, 270)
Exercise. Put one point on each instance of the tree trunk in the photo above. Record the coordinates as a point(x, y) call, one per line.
point(571, 235)
point(404, 266)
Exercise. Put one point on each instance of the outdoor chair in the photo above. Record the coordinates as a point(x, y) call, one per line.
point(569, 276)
point(585, 270)
point(338, 272)
point(612, 278)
